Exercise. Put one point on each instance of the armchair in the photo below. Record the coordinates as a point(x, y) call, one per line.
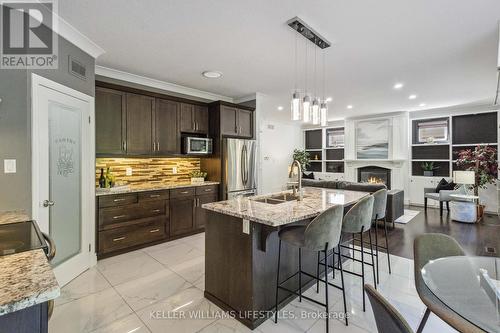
point(443, 196)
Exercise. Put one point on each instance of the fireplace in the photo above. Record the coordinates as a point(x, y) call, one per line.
point(375, 175)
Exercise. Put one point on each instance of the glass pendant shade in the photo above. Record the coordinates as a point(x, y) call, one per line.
point(315, 112)
point(295, 106)
point(323, 111)
point(306, 108)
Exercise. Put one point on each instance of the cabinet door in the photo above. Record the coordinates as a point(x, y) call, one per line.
point(201, 214)
point(245, 123)
point(201, 119)
point(110, 121)
point(181, 215)
point(228, 120)
point(140, 111)
point(186, 118)
point(167, 134)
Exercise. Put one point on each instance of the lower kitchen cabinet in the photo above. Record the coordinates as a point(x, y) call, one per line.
point(129, 221)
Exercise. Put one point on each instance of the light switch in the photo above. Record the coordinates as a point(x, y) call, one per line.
point(174, 170)
point(128, 171)
point(246, 226)
point(9, 166)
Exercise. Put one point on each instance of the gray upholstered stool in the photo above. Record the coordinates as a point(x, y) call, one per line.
point(379, 214)
point(322, 235)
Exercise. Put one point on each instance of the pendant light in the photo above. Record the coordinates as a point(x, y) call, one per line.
point(315, 104)
point(295, 104)
point(323, 109)
point(306, 103)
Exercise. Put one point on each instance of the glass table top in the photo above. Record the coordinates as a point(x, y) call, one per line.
point(470, 286)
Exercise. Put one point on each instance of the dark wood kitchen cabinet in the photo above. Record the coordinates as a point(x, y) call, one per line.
point(200, 213)
point(193, 118)
point(110, 121)
point(166, 128)
point(140, 112)
point(181, 215)
point(236, 122)
point(245, 123)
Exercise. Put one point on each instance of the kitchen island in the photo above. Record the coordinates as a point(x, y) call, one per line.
point(241, 248)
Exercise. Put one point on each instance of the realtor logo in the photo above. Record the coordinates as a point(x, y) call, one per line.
point(28, 40)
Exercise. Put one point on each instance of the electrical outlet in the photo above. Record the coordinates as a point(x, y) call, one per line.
point(174, 170)
point(246, 226)
point(128, 171)
point(9, 166)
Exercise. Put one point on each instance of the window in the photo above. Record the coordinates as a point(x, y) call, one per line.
point(433, 131)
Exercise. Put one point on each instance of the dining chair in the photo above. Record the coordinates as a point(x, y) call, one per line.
point(387, 318)
point(428, 247)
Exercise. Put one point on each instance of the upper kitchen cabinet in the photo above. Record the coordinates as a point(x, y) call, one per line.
point(193, 118)
point(110, 116)
point(235, 121)
point(140, 113)
point(166, 133)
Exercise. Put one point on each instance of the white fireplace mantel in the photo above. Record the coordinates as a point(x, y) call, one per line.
point(390, 164)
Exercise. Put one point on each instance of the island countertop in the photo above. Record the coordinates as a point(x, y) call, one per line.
point(26, 278)
point(315, 201)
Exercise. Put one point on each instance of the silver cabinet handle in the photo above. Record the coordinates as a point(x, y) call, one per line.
point(48, 203)
point(119, 199)
point(124, 145)
point(154, 196)
point(158, 146)
point(208, 190)
point(119, 239)
point(154, 230)
point(184, 192)
point(156, 210)
point(119, 217)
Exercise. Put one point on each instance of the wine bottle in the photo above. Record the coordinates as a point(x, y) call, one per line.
point(102, 180)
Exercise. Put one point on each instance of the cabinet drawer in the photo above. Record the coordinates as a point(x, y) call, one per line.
point(117, 200)
point(182, 192)
point(206, 189)
point(154, 195)
point(115, 215)
point(121, 238)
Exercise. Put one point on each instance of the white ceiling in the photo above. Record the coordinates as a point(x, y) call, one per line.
point(444, 51)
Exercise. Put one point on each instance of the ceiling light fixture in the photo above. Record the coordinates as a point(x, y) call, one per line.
point(349, 106)
point(295, 104)
point(422, 104)
point(398, 85)
point(329, 99)
point(212, 74)
point(280, 108)
point(413, 96)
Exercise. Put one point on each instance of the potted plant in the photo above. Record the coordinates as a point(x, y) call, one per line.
point(429, 168)
point(483, 161)
point(197, 177)
point(303, 157)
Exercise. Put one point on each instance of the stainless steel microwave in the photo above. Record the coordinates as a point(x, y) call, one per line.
point(197, 146)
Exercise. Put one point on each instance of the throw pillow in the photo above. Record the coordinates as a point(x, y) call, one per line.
point(309, 176)
point(444, 185)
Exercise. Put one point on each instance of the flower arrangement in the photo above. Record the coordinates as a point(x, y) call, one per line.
point(197, 176)
point(303, 157)
point(483, 161)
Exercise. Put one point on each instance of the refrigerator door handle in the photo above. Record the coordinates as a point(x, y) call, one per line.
point(245, 165)
point(242, 165)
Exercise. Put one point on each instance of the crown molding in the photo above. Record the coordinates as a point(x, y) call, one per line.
point(158, 84)
point(71, 34)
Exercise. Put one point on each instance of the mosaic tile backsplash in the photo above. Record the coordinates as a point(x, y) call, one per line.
point(153, 171)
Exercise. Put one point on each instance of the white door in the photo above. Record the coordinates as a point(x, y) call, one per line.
point(63, 173)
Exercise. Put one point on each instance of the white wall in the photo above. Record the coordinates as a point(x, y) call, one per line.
point(278, 136)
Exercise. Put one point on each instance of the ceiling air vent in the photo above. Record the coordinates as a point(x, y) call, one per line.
point(77, 69)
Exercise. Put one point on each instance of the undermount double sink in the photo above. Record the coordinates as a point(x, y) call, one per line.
point(278, 199)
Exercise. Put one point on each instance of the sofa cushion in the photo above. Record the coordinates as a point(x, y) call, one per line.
point(307, 176)
point(365, 187)
point(444, 185)
point(313, 182)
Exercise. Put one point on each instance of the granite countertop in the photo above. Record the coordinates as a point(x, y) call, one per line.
point(315, 201)
point(149, 187)
point(26, 278)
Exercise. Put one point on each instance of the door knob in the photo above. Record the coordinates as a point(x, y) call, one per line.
point(48, 203)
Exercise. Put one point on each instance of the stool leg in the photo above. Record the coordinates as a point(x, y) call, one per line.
point(387, 245)
point(300, 274)
point(343, 287)
point(376, 246)
point(326, 290)
point(362, 269)
point(317, 274)
point(277, 283)
point(373, 259)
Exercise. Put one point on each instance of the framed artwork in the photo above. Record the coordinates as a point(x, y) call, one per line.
point(372, 139)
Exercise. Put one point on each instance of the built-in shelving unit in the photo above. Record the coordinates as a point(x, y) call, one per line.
point(326, 147)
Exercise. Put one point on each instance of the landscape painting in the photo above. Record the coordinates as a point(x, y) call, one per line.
point(372, 139)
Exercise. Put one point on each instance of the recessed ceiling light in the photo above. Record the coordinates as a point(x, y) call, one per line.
point(398, 85)
point(349, 106)
point(422, 104)
point(328, 99)
point(280, 108)
point(212, 74)
point(413, 96)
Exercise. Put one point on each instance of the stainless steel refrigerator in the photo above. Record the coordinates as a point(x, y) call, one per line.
point(239, 167)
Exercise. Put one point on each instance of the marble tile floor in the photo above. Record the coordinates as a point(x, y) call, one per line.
point(135, 292)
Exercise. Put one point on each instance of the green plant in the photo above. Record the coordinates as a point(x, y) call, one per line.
point(429, 166)
point(303, 157)
point(483, 161)
point(198, 174)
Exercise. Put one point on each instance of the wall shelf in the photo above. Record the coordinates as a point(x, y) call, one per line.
point(331, 158)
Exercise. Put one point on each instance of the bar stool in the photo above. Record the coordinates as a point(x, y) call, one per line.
point(379, 210)
point(322, 235)
point(357, 221)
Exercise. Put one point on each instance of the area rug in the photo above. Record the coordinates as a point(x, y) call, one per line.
point(407, 216)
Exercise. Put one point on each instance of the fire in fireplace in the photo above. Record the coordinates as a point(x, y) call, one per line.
point(375, 175)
